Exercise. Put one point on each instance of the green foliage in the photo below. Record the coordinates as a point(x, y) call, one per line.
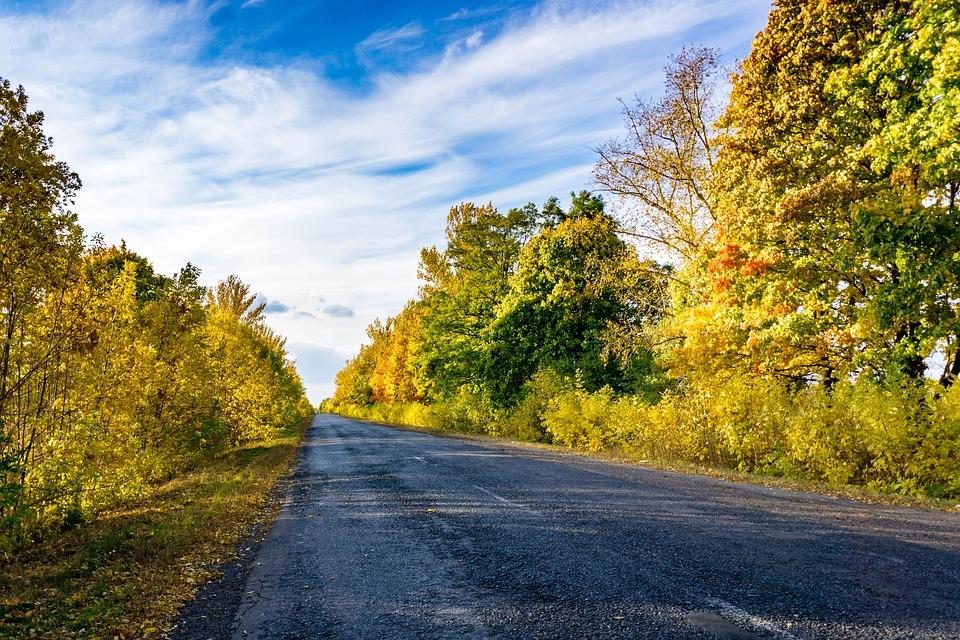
point(526, 420)
point(508, 295)
point(572, 285)
point(464, 284)
point(837, 196)
point(816, 247)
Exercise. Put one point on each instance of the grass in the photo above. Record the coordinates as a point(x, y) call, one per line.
point(126, 574)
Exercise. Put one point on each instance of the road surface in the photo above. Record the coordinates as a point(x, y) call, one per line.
point(396, 534)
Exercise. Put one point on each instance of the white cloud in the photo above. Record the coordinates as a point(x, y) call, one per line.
point(306, 190)
point(338, 311)
point(459, 14)
point(390, 41)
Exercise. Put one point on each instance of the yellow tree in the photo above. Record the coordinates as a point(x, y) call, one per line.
point(40, 253)
point(818, 241)
point(394, 378)
point(253, 384)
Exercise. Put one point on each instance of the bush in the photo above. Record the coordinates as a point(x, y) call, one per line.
point(901, 438)
point(527, 420)
point(582, 420)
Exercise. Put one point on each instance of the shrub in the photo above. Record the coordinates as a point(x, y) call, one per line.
point(902, 438)
point(581, 420)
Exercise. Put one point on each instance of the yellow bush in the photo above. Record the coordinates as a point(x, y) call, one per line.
point(903, 439)
point(581, 420)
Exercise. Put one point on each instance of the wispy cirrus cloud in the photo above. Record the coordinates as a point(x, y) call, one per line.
point(474, 39)
point(308, 189)
point(391, 36)
point(389, 43)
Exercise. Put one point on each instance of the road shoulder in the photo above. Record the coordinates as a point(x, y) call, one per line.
point(850, 492)
point(209, 616)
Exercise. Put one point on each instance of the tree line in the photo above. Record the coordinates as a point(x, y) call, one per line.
point(113, 378)
point(801, 278)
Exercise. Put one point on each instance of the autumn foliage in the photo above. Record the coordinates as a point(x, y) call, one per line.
point(113, 378)
point(801, 315)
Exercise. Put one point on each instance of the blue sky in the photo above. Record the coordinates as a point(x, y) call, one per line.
point(313, 147)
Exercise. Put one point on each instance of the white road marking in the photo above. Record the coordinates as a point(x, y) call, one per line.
point(504, 500)
point(500, 498)
point(742, 617)
point(892, 559)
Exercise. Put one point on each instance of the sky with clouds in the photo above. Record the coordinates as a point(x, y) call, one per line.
point(313, 147)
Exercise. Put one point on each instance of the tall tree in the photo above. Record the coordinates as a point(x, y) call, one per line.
point(575, 282)
point(40, 257)
point(661, 169)
point(464, 284)
point(904, 93)
point(819, 234)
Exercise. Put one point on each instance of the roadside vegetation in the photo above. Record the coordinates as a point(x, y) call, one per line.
point(143, 417)
point(779, 280)
point(126, 574)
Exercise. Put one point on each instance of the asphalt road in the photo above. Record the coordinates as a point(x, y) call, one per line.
point(397, 534)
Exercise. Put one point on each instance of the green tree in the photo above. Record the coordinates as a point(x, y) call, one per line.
point(904, 94)
point(464, 284)
point(823, 222)
point(575, 282)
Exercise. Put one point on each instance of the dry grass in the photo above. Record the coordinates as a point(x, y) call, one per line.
point(126, 574)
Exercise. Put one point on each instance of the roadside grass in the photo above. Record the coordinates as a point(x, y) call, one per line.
point(855, 493)
point(127, 573)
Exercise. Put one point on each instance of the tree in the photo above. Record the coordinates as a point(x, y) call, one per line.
point(573, 284)
point(252, 384)
point(112, 377)
point(818, 234)
point(103, 264)
point(233, 297)
point(911, 79)
point(661, 170)
point(464, 284)
point(353, 381)
point(394, 378)
point(40, 253)
point(173, 390)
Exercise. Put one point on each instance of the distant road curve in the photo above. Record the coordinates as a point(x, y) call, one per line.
point(397, 534)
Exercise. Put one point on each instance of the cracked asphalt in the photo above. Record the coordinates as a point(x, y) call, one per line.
point(388, 533)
